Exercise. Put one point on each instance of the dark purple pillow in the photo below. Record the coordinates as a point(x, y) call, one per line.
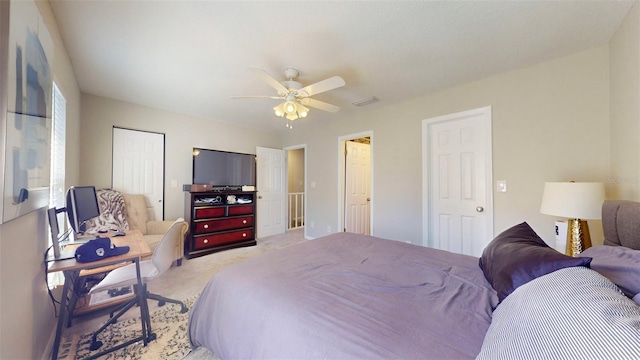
point(518, 255)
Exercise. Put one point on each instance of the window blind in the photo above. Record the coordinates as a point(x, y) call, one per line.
point(58, 136)
point(57, 188)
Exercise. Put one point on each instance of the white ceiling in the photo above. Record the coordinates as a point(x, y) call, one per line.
point(191, 57)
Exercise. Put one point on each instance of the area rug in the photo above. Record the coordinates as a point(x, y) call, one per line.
point(169, 325)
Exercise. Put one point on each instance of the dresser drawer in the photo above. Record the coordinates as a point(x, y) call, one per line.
point(241, 210)
point(206, 241)
point(203, 227)
point(209, 212)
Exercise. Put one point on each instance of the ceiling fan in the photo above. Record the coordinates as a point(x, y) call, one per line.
point(295, 97)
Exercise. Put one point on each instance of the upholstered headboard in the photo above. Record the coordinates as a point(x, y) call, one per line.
point(621, 223)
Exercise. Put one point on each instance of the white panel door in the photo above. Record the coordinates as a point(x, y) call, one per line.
point(357, 189)
point(459, 204)
point(138, 166)
point(270, 179)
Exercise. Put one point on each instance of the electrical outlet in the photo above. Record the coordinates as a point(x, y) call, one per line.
point(312, 224)
point(329, 229)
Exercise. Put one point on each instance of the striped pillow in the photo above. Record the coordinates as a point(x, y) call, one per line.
point(572, 313)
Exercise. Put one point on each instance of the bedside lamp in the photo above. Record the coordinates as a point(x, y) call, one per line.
point(578, 201)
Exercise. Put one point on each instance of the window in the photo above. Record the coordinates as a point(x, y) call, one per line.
point(58, 135)
point(57, 188)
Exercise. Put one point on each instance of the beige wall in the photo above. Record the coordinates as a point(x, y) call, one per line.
point(182, 134)
point(624, 182)
point(27, 321)
point(550, 123)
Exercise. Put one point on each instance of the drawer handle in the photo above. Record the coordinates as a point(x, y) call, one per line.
point(206, 241)
point(244, 221)
point(244, 234)
point(206, 226)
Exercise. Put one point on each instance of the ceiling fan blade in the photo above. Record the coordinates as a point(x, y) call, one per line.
point(319, 105)
point(271, 81)
point(257, 96)
point(322, 86)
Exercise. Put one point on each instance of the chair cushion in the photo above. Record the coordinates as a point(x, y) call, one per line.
point(126, 276)
point(137, 213)
point(112, 213)
point(153, 240)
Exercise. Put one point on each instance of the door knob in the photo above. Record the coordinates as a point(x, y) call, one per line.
point(259, 196)
point(368, 199)
point(479, 209)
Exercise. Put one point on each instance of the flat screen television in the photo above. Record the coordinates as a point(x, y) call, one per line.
point(223, 168)
point(82, 205)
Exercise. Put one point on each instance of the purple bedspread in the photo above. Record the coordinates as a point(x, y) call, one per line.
point(346, 296)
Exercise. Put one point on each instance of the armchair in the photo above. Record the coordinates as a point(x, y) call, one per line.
point(120, 211)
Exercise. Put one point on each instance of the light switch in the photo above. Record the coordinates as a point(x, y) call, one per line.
point(501, 186)
point(174, 183)
point(313, 184)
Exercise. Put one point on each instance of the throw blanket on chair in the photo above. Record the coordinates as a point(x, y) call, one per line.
point(113, 216)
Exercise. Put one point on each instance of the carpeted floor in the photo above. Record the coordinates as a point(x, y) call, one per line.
point(183, 283)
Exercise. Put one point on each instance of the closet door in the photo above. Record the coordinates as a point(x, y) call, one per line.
point(138, 166)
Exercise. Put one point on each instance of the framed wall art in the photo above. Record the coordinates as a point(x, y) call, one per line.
point(25, 113)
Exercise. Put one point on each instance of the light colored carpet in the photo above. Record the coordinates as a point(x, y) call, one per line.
point(184, 283)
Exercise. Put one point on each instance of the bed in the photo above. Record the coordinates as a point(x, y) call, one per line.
point(348, 296)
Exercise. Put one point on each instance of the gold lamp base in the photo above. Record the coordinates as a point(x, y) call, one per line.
point(578, 238)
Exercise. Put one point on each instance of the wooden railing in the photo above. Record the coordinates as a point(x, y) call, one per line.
point(296, 210)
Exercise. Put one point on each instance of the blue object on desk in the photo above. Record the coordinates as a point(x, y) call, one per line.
point(98, 249)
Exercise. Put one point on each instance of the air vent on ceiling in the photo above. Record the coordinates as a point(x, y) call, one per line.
point(367, 101)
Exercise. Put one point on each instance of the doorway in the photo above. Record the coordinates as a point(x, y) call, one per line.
point(457, 182)
point(271, 191)
point(281, 189)
point(356, 185)
point(138, 166)
point(296, 185)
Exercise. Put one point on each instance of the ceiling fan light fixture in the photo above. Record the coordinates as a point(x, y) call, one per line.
point(303, 111)
point(294, 96)
point(279, 110)
point(290, 107)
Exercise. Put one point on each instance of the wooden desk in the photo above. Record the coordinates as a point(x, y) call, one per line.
point(138, 248)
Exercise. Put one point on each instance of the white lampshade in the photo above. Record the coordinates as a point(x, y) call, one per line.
point(574, 200)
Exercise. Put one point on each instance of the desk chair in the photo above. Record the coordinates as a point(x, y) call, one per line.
point(161, 260)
